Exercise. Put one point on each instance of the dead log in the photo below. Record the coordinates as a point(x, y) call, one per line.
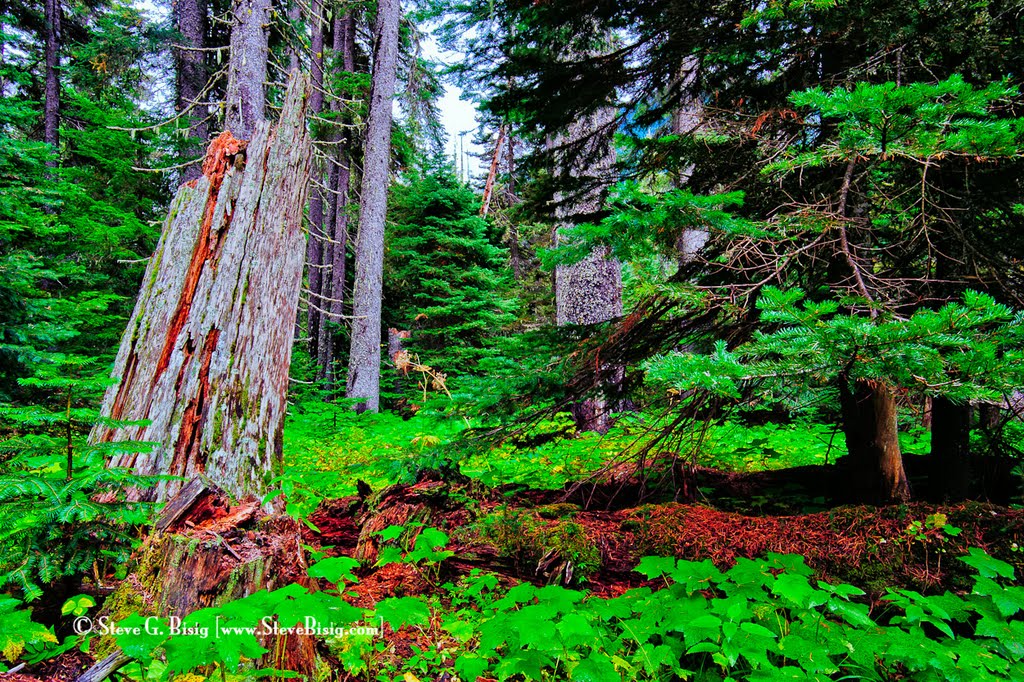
point(205, 356)
point(105, 668)
point(397, 505)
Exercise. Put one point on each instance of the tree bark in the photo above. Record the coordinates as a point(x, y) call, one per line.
point(485, 205)
point(339, 179)
point(872, 438)
point(951, 449)
point(590, 291)
point(247, 68)
point(315, 244)
point(205, 356)
point(364, 357)
point(295, 47)
point(51, 105)
point(686, 119)
point(190, 20)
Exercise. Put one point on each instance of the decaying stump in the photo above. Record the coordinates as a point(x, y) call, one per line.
point(206, 353)
point(397, 505)
point(209, 552)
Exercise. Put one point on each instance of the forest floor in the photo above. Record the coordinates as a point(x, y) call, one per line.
point(587, 526)
point(591, 537)
point(909, 546)
point(545, 537)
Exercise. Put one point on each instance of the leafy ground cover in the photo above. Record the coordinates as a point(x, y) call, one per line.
point(328, 448)
point(450, 599)
point(536, 560)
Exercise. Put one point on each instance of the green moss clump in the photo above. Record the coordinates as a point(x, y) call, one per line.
point(521, 537)
point(571, 542)
point(557, 511)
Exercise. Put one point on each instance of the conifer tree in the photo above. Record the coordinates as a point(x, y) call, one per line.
point(445, 277)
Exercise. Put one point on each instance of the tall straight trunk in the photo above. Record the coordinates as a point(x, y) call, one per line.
point(51, 106)
point(204, 360)
point(315, 244)
point(364, 357)
point(339, 179)
point(247, 67)
point(872, 438)
point(3, 63)
point(950, 473)
point(590, 291)
point(686, 119)
point(190, 64)
point(294, 47)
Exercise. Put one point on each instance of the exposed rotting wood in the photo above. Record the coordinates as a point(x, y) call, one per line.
point(105, 667)
point(183, 502)
point(214, 552)
point(485, 205)
point(205, 357)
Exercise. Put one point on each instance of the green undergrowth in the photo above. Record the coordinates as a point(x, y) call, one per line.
point(762, 619)
point(328, 448)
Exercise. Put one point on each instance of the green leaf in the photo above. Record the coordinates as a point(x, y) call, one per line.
point(595, 668)
point(391, 533)
point(471, 667)
point(987, 566)
point(655, 566)
point(78, 605)
point(757, 630)
point(335, 569)
point(796, 590)
point(399, 611)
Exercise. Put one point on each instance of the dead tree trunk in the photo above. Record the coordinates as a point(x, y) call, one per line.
point(492, 174)
point(205, 553)
point(206, 353)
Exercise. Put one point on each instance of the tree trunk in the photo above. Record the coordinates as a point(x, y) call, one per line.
point(190, 20)
point(950, 473)
point(869, 423)
point(686, 119)
point(294, 46)
point(364, 357)
point(247, 68)
point(316, 242)
point(338, 179)
point(485, 205)
point(590, 291)
point(51, 105)
point(205, 356)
